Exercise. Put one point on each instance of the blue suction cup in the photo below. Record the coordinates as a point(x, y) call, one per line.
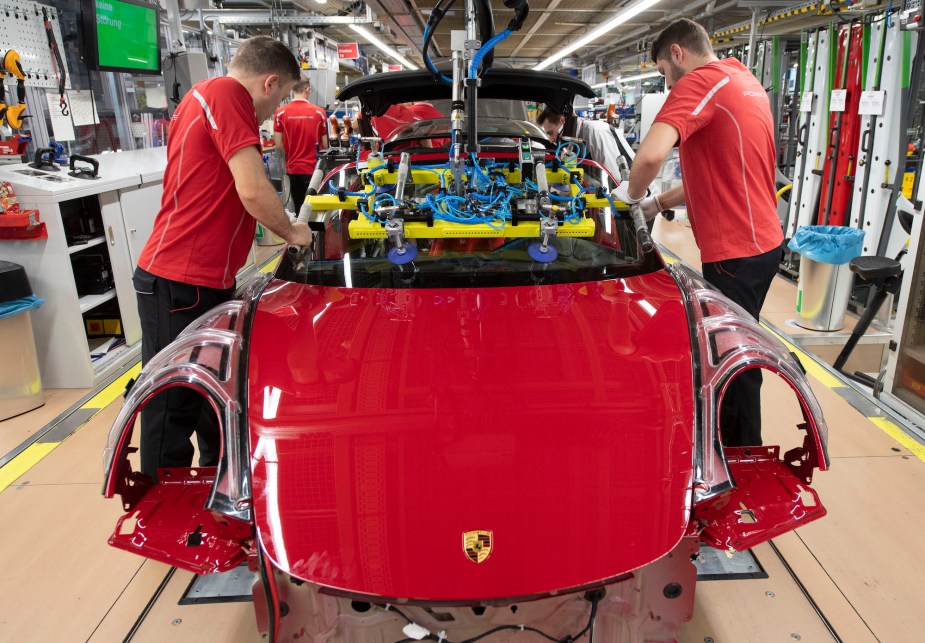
point(411, 251)
point(536, 252)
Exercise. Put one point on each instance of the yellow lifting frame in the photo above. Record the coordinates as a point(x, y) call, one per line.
point(363, 228)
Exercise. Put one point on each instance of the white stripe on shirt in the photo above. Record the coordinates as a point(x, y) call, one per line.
point(205, 108)
point(706, 99)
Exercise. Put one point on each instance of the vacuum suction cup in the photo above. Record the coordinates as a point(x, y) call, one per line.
point(409, 255)
point(537, 253)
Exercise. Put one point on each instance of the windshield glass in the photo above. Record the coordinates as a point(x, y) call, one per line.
point(608, 251)
point(489, 128)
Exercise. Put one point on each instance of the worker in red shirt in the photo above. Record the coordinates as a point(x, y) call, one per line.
point(720, 117)
point(298, 128)
point(215, 191)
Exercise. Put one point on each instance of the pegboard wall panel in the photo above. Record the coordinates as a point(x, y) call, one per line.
point(22, 29)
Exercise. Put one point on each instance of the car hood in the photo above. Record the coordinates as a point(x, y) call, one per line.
point(548, 429)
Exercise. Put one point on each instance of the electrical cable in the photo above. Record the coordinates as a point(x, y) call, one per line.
point(435, 17)
point(57, 62)
point(486, 24)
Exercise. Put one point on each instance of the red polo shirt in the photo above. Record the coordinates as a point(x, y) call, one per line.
point(728, 159)
point(302, 126)
point(202, 233)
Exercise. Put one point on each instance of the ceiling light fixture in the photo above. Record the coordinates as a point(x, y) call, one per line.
point(648, 74)
point(389, 51)
point(630, 12)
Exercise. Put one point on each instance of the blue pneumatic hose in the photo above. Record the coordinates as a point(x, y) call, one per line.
point(483, 51)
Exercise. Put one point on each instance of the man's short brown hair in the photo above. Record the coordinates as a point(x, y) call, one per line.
point(548, 114)
point(685, 33)
point(302, 85)
point(263, 55)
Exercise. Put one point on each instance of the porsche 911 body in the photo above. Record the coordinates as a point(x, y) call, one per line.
point(473, 442)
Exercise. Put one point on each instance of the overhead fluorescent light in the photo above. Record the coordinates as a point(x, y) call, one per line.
point(648, 74)
point(383, 47)
point(604, 84)
point(627, 14)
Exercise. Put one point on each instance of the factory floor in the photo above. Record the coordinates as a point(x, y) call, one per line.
point(851, 576)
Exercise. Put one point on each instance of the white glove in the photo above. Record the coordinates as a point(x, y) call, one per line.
point(650, 207)
point(621, 193)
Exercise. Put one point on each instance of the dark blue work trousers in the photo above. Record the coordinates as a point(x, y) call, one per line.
point(169, 420)
point(745, 281)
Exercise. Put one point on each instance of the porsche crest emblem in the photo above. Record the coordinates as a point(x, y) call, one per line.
point(477, 544)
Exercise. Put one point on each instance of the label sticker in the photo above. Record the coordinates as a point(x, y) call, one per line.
point(839, 97)
point(806, 103)
point(872, 103)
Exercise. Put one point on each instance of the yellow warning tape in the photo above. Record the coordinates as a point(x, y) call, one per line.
point(270, 266)
point(19, 465)
point(828, 380)
point(900, 436)
point(34, 453)
point(113, 391)
point(812, 367)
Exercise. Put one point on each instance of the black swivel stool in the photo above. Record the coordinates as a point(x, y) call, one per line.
point(885, 275)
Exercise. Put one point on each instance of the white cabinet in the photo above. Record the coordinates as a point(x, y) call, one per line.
point(139, 207)
point(83, 270)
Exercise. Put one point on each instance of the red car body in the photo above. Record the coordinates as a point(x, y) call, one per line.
point(525, 457)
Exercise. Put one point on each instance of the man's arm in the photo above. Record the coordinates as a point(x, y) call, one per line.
point(278, 139)
point(260, 199)
point(649, 158)
point(672, 198)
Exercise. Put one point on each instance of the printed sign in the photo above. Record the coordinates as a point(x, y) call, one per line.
point(348, 50)
point(588, 73)
point(871, 103)
point(806, 103)
point(839, 97)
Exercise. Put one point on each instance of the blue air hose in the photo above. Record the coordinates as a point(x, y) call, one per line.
point(483, 51)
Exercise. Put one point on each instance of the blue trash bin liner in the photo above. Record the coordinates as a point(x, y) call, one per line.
point(828, 243)
point(21, 305)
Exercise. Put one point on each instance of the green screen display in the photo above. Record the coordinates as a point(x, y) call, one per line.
point(126, 35)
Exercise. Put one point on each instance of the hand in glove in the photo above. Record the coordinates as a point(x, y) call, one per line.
point(650, 207)
point(299, 235)
point(621, 193)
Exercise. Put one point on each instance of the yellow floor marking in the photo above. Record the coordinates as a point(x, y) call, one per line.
point(31, 456)
point(113, 391)
point(270, 266)
point(21, 464)
point(830, 381)
point(900, 436)
point(811, 365)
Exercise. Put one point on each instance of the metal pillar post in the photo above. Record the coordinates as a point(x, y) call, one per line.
point(176, 42)
point(751, 39)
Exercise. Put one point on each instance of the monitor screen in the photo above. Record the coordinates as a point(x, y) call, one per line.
point(122, 35)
